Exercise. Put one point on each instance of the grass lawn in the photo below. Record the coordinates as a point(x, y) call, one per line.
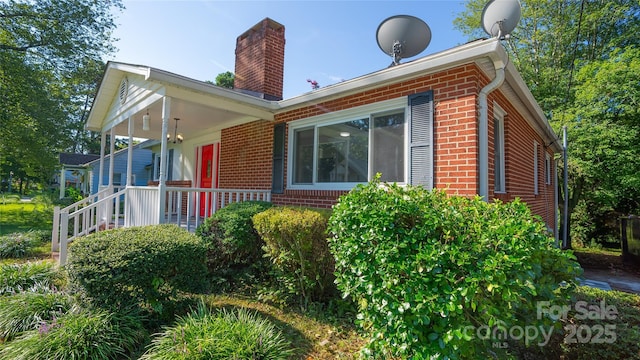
point(24, 216)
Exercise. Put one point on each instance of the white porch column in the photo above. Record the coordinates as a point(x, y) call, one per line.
point(103, 143)
point(63, 182)
point(112, 147)
point(130, 153)
point(162, 176)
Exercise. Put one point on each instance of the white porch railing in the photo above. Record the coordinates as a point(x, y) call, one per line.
point(140, 205)
point(190, 206)
point(91, 214)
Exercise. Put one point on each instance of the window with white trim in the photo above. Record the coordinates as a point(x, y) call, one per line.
point(156, 165)
point(535, 167)
point(498, 150)
point(339, 150)
point(343, 152)
point(547, 168)
point(119, 179)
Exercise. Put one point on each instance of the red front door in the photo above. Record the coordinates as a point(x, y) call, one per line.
point(208, 174)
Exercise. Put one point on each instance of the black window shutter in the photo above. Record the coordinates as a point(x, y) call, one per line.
point(421, 139)
point(277, 176)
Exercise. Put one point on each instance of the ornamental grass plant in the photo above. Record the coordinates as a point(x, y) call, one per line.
point(220, 335)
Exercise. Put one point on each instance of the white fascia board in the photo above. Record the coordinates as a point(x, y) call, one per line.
point(430, 64)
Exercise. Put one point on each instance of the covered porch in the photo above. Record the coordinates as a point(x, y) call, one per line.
point(185, 117)
point(141, 205)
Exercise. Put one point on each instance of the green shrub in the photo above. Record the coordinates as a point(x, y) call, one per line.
point(73, 194)
point(28, 310)
point(144, 266)
point(296, 242)
point(9, 199)
point(231, 238)
point(235, 334)
point(79, 334)
point(15, 245)
point(620, 315)
point(40, 237)
point(21, 277)
point(424, 268)
point(22, 244)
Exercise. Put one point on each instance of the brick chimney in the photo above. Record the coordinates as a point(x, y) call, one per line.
point(260, 60)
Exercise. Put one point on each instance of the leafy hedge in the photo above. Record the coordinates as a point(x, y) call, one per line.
point(143, 266)
point(296, 242)
point(425, 268)
point(230, 235)
point(619, 317)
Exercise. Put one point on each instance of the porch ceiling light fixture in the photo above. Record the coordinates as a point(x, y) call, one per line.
point(177, 138)
point(145, 121)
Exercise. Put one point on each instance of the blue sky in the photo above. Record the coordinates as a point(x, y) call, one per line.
point(327, 41)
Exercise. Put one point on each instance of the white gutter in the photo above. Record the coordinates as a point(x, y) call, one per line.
point(483, 130)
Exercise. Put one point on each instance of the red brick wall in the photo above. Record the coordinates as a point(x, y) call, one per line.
point(246, 156)
point(455, 129)
point(310, 198)
point(259, 63)
point(246, 150)
point(518, 147)
point(519, 153)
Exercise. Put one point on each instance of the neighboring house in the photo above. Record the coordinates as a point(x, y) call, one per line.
point(73, 172)
point(173, 161)
point(141, 164)
point(461, 119)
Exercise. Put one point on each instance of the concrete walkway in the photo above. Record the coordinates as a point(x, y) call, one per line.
point(608, 279)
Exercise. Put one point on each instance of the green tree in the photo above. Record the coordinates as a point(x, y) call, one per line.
point(604, 127)
point(58, 33)
point(50, 63)
point(225, 79)
point(569, 54)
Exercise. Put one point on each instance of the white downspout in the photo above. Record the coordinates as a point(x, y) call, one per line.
point(483, 131)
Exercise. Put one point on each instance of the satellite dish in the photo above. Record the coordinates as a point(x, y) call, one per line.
point(403, 36)
point(500, 17)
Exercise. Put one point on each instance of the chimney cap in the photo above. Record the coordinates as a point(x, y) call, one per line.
point(264, 23)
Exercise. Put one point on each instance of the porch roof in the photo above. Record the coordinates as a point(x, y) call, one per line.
point(199, 105)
